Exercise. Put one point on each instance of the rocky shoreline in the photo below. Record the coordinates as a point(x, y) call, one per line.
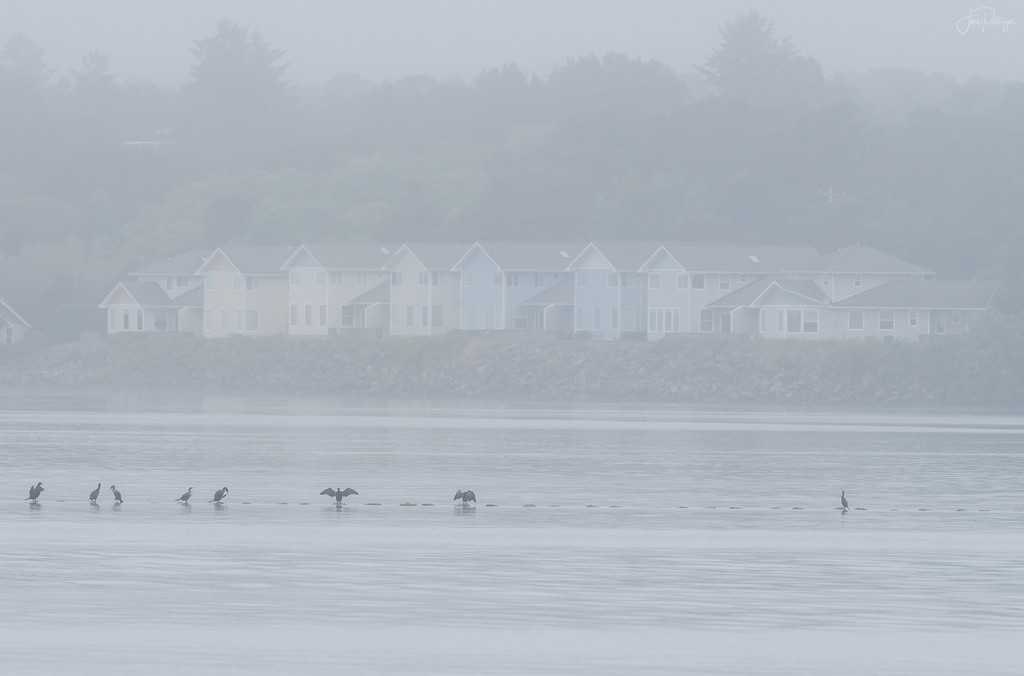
point(705, 371)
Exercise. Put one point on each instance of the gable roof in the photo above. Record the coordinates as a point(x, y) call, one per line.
point(745, 258)
point(251, 260)
point(347, 256)
point(187, 263)
point(145, 294)
point(378, 294)
point(434, 255)
point(530, 256)
point(925, 295)
point(563, 293)
point(10, 316)
point(753, 293)
point(858, 258)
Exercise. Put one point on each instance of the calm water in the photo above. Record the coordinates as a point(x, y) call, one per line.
point(657, 541)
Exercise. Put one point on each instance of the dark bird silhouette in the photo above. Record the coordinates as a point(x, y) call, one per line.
point(117, 495)
point(34, 491)
point(219, 495)
point(466, 496)
point(95, 494)
point(338, 494)
point(846, 505)
point(185, 496)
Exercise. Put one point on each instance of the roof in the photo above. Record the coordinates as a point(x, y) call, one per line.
point(192, 298)
point(531, 256)
point(435, 255)
point(10, 315)
point(147, 294)
point(187, 263)
point(563, 293)
point(859, 258)
point(348, 256)
point(628, 256)
point(928, 295)
point(751, 294)
point(378, 294)
point(745, 258)
point(253, 260)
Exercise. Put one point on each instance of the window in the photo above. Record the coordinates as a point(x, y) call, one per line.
point(360, 279)
point(858, 280)
point(138, 320)
point(654, 280)
point(627, 281)
point(252, 320)
point(437, 316)
point(855, 320)
point(424, 278)
point(294, 278)
point(252, 283)
point(238, 283)
point(613, 279)
point(663, 319)
point(323, 315)
point(396, 278)
point(512, 278)
point(519, 318)
point(337, 278)
point(886, 320)
point(308, 315)
point(956, 316)
point(743, 279)
point(581, 279)
point(810, 324)
point(160, 320)
point(321, 278)
point(697, 282)
point(724, 283)
point(912, 318)
point(538, 279)
point(706, 321)
point(628, 319)
point(681, 281)
point(126, 324)
point(435, 278)
point(348, 316)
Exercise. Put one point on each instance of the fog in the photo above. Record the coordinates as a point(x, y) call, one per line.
point(382, 41)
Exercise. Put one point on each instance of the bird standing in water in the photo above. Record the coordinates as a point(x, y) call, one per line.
point(95, 494)
point(466, 496)
point(117, 495)
point(338, 494)
point(185, 496)
point(34, 491)
point(219, 495)
point(846, 505)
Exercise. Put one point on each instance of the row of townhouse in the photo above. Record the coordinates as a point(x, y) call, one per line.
point(606, 290)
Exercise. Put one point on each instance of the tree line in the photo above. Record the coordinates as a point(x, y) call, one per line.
point(99, 176)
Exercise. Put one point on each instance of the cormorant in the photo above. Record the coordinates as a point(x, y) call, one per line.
point(185, 496)
point(466, 496)
point(338, 494)
point(117, 495)
point(219, 495)
point(34, 491)
point(846, 505)
point(95, 494)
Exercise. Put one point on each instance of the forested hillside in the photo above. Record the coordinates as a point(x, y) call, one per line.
point(99, 176)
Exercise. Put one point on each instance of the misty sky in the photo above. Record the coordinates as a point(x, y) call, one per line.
point(387, 39)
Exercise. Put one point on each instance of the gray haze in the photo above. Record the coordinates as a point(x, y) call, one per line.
point(381, 41)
